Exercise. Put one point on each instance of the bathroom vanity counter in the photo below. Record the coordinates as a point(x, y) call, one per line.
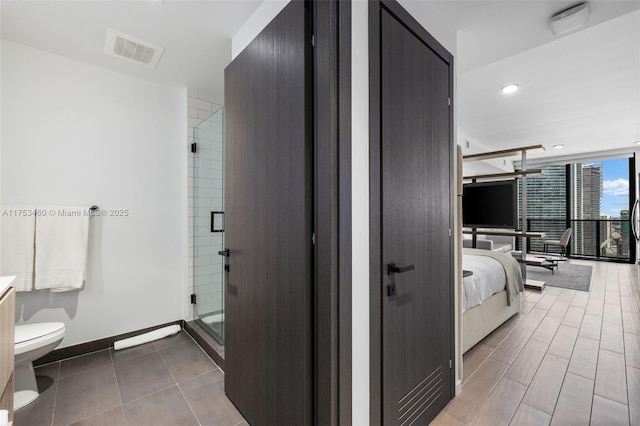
point(7, 330)
point(5, 282)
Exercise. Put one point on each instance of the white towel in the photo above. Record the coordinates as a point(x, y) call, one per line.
point(62, 240)
point(17, 231)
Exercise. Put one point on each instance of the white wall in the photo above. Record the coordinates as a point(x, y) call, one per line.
point(437, 25)
point(494, 165)
point(258, 20)
point(360, 211)
point(76, 135)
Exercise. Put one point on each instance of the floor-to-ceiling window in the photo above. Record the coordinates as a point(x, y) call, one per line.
point(593, 199)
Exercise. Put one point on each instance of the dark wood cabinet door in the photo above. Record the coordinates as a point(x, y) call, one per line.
point(268, 190)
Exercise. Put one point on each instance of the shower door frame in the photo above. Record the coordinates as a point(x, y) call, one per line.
point(195, 149)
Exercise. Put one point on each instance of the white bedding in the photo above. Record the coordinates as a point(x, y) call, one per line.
point(488, 279)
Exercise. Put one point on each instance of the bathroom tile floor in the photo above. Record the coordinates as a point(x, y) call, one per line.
point(168, 382)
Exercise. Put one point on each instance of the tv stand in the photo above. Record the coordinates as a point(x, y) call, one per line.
point(523, 174)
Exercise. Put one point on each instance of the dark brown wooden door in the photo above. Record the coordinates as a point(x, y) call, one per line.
point(268, 169)
point(416, 220)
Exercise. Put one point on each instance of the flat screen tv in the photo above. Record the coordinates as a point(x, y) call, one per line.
point(490, 204)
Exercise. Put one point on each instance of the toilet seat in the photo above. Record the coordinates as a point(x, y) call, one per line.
point(33, 336)
point(32, 341)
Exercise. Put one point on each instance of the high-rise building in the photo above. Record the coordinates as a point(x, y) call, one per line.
point(546, 195)
point(625, 235)
point(608, 243)
point(591, 190)
point(591, 193)
point(547, 204)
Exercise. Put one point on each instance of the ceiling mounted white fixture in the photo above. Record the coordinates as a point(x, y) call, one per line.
point(559, 146)
point(510, 88)
point(637, 142)
point(570, 19)
point(132, 49)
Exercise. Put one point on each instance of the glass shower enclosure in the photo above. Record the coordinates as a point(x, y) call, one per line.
point(208, 225)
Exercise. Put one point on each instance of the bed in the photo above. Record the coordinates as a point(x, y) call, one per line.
point(491, 295)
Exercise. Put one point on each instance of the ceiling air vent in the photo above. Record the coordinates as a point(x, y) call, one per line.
point(132, 49)
point(570, 19)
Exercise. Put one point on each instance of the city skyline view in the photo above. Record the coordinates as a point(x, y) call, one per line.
point(615, 186)
point(591, 196)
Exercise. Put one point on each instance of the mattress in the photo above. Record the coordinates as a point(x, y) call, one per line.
point(488, 279)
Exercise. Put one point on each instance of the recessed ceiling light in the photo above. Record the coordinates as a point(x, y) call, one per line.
point(637, 142)
point(510, 88)
point(559, 146)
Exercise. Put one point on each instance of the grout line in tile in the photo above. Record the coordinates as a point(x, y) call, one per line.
point(564, 377)
point(200, 375)
point(83, 371)
point(55, 396)
point(81, 355)
point(178, 385)
point(101, 412)
point(626, 373)
point(519, 402)
point(195, 416)
point(206, 354)
point(507, 335)
point(48, 363)
point(475, 413)
point(112, 351)
point(118, 387)
point(603, 278)
point(452, 415)
point(595, 378)
point(147, 395)
point(484, 361)
point(502, 376)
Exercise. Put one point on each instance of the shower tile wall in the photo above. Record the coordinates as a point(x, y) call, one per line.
point(205, 265)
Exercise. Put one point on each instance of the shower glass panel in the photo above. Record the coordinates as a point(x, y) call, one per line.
point(208, 225)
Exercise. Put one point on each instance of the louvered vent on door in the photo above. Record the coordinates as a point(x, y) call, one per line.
point(420, 398)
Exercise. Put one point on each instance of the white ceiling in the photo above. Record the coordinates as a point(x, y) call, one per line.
point(580, 89)
point(195, 34)
point(492, 30)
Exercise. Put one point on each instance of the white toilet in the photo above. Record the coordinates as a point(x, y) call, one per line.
point(32, 341)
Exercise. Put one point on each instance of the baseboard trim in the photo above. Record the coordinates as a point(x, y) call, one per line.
point(96, 345)
point(458, 386)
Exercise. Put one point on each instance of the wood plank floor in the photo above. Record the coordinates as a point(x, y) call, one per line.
point(568, 358)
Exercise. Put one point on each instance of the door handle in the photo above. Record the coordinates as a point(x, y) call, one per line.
point(225, 253)
point(220, 223)
point(393, 269)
